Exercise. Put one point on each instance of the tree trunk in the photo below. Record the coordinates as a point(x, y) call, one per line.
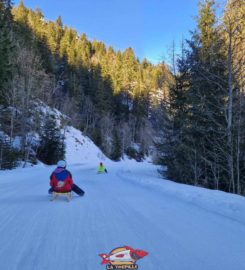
point(230, 114)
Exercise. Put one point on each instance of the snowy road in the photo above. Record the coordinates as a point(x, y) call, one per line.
point(118, 210)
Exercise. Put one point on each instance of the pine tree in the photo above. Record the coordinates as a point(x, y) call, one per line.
point(6, 47)
point(206, 22)
point(8, 155)
point(197, 104)
point(234, 31)
point(116, 152)
point(52, 147)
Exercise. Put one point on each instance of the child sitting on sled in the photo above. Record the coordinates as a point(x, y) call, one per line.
point(101, 168)
point(61, 180)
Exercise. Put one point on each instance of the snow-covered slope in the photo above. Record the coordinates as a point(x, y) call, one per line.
point(182, 227)
point(81, 150)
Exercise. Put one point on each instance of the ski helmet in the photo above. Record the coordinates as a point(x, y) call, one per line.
point(61, 164)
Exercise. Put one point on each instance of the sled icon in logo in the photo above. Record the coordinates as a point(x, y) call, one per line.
point(122, 258)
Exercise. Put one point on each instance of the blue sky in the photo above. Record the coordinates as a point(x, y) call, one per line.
point(148, 26)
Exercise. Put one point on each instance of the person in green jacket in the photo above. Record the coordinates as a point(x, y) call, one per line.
point(101, 168)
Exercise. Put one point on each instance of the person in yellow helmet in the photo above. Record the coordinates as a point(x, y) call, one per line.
point(101, 168)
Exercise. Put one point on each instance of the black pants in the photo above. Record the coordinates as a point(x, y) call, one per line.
point(74, 188)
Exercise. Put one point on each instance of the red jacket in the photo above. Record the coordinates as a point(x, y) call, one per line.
point(61, 180)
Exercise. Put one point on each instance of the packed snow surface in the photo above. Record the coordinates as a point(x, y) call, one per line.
point(181, 227)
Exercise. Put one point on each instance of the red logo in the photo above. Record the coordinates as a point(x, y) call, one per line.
point(122, 258)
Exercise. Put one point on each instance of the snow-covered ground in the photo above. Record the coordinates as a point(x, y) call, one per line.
point(182, 227)
point(81, 150)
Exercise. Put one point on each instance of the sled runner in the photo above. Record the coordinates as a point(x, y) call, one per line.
point(55, 195)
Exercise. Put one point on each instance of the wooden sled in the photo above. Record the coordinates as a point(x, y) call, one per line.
point(55, 195)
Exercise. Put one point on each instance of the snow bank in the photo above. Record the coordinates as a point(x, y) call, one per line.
point(228, 205)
